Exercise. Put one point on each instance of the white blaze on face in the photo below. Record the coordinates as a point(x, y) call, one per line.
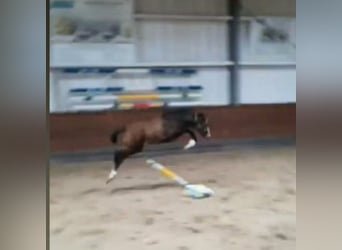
point(190, 144)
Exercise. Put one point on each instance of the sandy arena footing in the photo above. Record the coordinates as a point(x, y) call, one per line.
point(254, 206)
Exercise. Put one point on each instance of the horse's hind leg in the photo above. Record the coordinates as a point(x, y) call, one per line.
point(119, 157)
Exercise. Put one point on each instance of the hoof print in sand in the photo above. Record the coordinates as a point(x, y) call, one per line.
point(149, 221)
point(281, 236)
point(193, 230)
point(150, 242)
point(183, 248)
point(58, 230)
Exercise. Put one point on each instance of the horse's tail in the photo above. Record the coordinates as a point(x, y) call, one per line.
point(114, 136)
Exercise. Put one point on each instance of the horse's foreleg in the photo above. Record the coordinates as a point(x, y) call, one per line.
point(193, 139)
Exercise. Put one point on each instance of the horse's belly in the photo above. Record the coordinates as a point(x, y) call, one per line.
point(154, 140)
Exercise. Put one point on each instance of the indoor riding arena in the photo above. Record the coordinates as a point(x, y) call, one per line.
point(117, 62)
point(254, 206)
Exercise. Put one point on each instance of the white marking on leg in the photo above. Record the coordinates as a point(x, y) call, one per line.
point(209, 134)
point(190, 144)
point(111, 175)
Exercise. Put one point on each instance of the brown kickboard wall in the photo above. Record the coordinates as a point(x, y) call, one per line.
point(88, 131)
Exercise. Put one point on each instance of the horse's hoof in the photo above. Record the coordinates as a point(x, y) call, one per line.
point(190, 144)
point(111, 176)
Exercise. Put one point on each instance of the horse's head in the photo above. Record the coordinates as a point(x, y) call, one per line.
point(202, 125)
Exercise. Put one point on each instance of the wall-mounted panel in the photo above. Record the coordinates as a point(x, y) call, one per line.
point(80, 89)
point(179, 41)
point(91, 54)
point(182, 7)
point(91, 21)
point(269, 7)
point(272, 41)
point(273, 85)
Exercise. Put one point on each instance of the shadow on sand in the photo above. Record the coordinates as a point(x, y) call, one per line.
point(141, 187)
point(144, 187)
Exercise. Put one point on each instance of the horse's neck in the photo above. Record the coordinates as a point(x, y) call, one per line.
point(190, 123)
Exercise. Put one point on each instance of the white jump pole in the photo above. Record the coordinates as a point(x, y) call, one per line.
point(196, 191)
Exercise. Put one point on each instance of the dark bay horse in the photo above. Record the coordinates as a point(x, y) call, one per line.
point(170, 125)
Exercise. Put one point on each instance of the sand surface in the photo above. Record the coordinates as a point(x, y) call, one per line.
point(254, 206)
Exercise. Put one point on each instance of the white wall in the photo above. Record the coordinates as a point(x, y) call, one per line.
point(52, 94)
point(197, 41)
